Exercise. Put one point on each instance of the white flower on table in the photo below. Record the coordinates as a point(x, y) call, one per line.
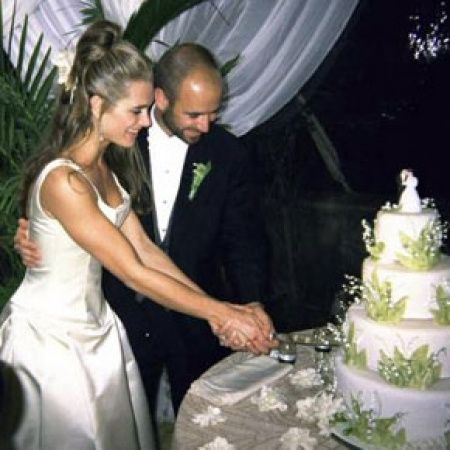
point(212, 416)
point(306, 408)
point(219, 443)
point(268, 399)
point(319, 408)
point(306, 378)
point(327, 407)
point(297, 438)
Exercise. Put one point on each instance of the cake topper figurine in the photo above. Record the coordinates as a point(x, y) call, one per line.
point(409, 199)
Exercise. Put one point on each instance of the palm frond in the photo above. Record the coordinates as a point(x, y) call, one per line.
point(151, 16)
point(23, 37)
point(25, 109)
point(229, 65)
point(32, 61)
point(37, 81)
point(92, 11)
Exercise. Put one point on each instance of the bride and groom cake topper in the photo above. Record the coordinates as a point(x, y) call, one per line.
point(409, 199)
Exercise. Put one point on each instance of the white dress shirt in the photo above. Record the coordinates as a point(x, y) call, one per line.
point(167, 155)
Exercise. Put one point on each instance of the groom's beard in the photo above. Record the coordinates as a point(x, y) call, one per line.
point(190, 135)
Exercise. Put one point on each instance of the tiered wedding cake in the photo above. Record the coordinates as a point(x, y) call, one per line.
point(394, 369)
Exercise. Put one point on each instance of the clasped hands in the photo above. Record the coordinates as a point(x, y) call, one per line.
point(246, 327)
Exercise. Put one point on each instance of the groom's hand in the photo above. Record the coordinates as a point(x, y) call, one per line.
point(28, 250)
point(250, 329)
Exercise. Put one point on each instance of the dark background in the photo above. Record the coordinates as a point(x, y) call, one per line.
point(383, 111)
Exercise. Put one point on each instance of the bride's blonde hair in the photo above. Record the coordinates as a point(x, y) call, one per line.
point(104, 65)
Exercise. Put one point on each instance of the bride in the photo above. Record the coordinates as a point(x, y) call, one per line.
point(71, 380)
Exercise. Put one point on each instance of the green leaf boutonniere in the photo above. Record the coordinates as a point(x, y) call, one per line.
point(199, 173)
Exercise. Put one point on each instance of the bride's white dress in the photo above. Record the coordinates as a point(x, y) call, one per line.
point(71, 379)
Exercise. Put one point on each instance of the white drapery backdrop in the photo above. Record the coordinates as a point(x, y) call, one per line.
point(281, 42)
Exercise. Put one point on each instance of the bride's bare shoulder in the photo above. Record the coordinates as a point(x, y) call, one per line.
point(65, 187)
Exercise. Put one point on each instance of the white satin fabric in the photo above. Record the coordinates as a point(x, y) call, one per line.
point(71, 378)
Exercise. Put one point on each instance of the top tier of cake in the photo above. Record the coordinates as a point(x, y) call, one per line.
point(408, 233)
point(391, 225)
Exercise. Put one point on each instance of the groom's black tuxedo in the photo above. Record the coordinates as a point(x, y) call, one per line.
point(217, 239)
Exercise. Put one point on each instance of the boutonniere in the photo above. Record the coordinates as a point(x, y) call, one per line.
point(199, 173)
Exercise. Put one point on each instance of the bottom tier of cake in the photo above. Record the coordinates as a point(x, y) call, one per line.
point(425, 415)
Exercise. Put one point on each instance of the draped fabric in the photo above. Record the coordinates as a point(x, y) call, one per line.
point(280, 42)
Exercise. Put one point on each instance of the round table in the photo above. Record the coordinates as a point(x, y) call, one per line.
point(245, 426)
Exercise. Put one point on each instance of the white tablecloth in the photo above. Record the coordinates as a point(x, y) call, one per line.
point(245, 426)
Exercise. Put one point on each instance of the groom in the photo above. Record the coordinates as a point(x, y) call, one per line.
point(205, 216)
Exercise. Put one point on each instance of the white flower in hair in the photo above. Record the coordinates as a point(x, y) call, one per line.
point(64, 62)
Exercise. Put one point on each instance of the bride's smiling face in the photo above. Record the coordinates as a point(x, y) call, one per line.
point(121, 123)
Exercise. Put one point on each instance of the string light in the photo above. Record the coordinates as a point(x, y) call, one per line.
point(428, 41)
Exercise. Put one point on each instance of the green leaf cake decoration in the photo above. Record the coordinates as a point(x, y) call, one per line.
point(422, 253)
point(353, 356)
point(420, 371)
point(365, 425)
point(377, 298)
point(379, 303)
point(442, 313)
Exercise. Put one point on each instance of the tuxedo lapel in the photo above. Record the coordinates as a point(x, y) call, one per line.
point(184, 208)
point(186, 180)
point(181, 206)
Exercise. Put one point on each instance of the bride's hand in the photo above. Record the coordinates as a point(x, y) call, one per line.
point(245, 327)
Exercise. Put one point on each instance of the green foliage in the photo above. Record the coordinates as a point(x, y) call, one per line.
point(420, 371)
point(25, 109)
point(200, 171)
point(442, 313)
point(422, 253)
point(92, 11)
point(151, 16)
point(230, 65)
point(379, 304)
point(367, 427)
point(353, 356)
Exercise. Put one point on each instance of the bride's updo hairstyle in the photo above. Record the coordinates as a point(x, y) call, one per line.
point(104, 65)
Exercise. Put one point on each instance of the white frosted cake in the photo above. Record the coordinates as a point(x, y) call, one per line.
point(394, 367)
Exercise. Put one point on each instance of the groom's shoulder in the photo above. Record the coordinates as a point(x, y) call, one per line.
point(220, 137)
point(220, 131)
